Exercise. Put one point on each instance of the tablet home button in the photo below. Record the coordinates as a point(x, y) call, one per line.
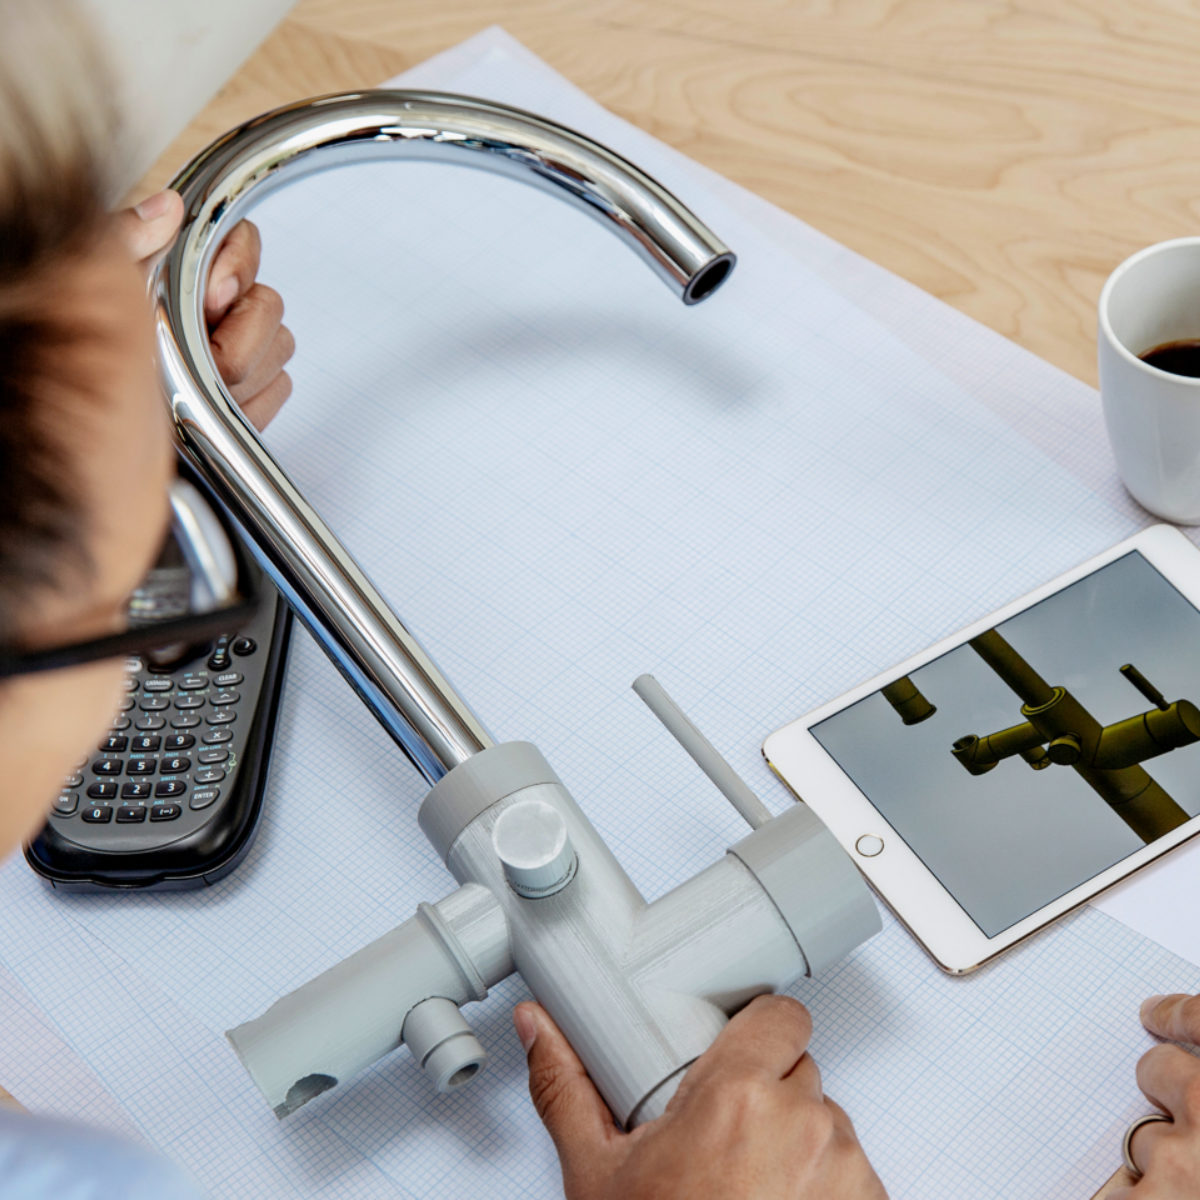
point(869, 845)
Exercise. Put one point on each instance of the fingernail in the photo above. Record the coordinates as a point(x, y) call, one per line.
point(224, 292)
point(526, 1025)
point(154, 206)
point(1148, 1006)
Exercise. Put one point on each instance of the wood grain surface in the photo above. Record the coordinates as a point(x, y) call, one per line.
point(1004, 155)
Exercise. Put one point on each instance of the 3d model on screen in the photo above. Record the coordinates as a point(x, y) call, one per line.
point(905, 697)
point(1058, 730)
point(640, 989)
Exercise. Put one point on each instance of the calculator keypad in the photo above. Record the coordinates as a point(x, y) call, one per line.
point(170, 745)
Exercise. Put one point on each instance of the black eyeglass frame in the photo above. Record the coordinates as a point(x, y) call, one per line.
point(191, 629)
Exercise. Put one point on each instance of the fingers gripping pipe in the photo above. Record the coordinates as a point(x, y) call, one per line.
point(640, 989)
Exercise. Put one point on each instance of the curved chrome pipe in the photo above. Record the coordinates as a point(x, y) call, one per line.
point(377, 654)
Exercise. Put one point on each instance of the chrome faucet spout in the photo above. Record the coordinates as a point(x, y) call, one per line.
point(368, 642)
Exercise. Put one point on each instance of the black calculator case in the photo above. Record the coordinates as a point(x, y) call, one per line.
point(209, 844)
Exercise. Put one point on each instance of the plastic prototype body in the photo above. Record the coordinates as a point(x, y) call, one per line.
point(640, 989)
point(1059, 730)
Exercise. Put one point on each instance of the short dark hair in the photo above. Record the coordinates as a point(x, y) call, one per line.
point(58, 139)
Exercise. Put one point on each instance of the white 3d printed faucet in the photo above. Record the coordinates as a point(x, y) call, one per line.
point(639, 989)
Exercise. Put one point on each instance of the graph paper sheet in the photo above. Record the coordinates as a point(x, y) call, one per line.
point(561, 478)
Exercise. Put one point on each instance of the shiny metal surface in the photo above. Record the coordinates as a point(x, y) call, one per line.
point(377, 654)
point(204, 546)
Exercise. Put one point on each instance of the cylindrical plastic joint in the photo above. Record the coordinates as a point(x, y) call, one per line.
point(440, 1039)
point(475, 785)
point(813, 883)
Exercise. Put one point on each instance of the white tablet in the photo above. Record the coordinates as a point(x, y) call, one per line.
point(1013, 771)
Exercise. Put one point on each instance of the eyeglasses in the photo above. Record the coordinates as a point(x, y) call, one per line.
point(200, 587)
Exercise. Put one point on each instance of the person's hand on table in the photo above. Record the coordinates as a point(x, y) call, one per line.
point(1168, 1152)
point(250, 344)
point(748, 1120)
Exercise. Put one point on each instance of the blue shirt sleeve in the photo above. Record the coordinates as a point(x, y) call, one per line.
point(44, 1158)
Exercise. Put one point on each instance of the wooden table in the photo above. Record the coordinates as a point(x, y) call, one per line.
point(1004, 155)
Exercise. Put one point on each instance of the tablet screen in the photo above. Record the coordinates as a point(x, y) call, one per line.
point(1024, 762)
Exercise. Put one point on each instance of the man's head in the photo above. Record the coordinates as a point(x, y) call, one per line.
point(85, 453)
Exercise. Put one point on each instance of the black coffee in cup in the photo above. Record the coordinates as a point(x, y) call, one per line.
point(1179, 358)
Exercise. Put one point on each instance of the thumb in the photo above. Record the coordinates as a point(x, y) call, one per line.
point(573, 1112)
point(147, 229)
point(1175, 1017)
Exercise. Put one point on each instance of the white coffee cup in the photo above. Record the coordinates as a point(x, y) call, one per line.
point(1153, 416)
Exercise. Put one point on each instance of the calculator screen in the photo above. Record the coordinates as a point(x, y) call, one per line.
point(1024, 762)
point(165, 592)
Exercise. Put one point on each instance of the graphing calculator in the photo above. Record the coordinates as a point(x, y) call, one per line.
point(171, 797)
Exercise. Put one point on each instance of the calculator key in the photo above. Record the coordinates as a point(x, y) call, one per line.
point(214, 737)
point(133, 664)
point(179, 741)
point(98, 814)
point(193, 683)
point(221, 716)
point(190, 700)
point(176, 764)
point(160, 683)
point(107, 766)
point(130, 685)
point(208, 775)
point(165, 812)
point(150, 721)
point(66, 804)
point(229, 679)
point(218, 754)
point(170, 787)
point(244, 646)
point(142, 789)
point(227, 696)
point(119, 723)
point(115, 744)
point(103, 791)
point(153, 703)
point(146, 741)
point(141, 766)
point(126, 704)
point(128, 813)
point(75, 779)
point(203, 797)
point(185, 720)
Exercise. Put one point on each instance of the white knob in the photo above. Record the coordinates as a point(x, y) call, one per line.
point(530, 839)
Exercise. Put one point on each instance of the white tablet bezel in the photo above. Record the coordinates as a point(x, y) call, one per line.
point(899, 877)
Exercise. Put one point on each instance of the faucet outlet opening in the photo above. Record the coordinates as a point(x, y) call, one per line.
point(706, 281)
